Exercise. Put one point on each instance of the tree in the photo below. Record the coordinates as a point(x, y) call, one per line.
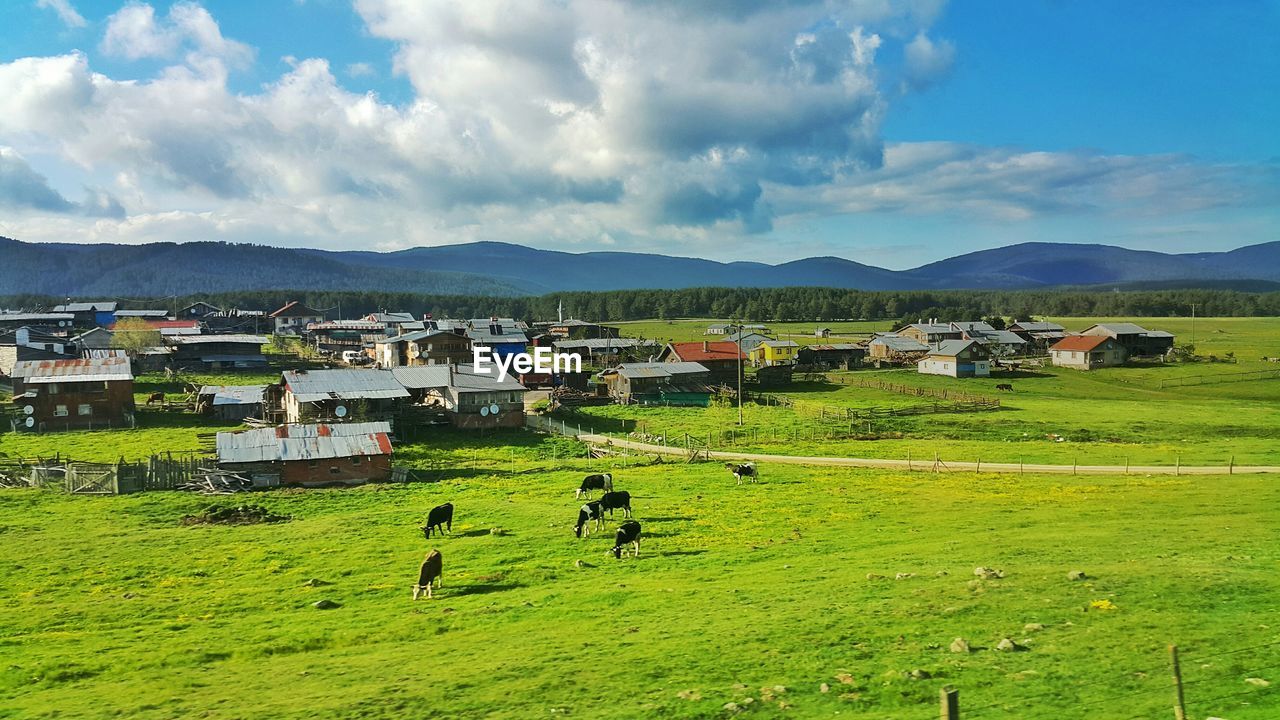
point(995, 321)
point(133, 335)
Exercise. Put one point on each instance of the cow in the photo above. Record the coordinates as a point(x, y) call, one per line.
point(438, 519)
point(591, 512)
point(1005, 387)
point(628, 534)
point(617, 500)
point(431, 571)
point(155, 397)
point(602, 481)
point(745, 470)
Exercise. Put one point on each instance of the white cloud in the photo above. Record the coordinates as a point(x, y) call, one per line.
point(66, 12)
point(360, 69)
point(134, 32)
point(926, 62)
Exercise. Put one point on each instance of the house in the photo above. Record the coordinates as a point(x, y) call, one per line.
point(88, 314)
point(470, 399)
point(998, 342)
point(659, 383)
point(892, 346)
point(26, 343)
point(144, 314)
point(1038, 334)
point(957, 358)
point(335, 336)
point(572, 329)
point(424, 347)
point(1137, 340)
point(930, 333)
point(73, 394)
point(746, 340)
point(1087, 352)
point(214, 352)
point(197, 310)
point(770, 353)
point(717, 329)
point(339, 395)
point(446, 324)
point(95, 339)
point(837, 356)
point(606, 350)
point(293, 318)
point(503, 336)
point(309, 455)
point(722, 358)
point(395, 323)
point(54, 323)
point(231, 402)
point(236, 321)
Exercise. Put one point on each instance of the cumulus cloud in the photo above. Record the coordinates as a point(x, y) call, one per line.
point(22, 188)
point(657, 126)
point(66, 12)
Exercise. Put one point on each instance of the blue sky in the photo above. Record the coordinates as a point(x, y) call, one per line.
point(892, 133)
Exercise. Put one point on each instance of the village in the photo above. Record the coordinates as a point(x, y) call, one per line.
point(73, 368)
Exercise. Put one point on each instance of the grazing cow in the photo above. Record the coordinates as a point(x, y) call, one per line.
point(617, 500)
point(155, 397)
point(628, 534)
point(602, 481)
point(591, 512)
point(1004, 386)
point(431, 571)
point(438, 519)
point(745, 470)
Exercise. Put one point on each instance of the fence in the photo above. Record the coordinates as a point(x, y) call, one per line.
point(1222, 378)
point(159, 472)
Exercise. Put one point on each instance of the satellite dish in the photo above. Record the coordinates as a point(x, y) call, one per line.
point(484, 411)
point(30, 422)
point(27, 410)
point(340, 411)
point(493, 409)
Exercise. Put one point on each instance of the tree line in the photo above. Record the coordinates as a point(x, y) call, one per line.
point(762, 304)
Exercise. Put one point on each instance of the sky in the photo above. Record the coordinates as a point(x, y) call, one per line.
point(889, 133)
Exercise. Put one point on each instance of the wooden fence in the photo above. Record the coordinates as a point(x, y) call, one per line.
point(159, 472)
point(1222, 378)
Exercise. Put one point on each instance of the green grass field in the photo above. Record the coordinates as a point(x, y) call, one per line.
point(112, 608)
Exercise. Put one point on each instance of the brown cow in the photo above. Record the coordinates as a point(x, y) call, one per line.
point(155, 397)
point(431, 571)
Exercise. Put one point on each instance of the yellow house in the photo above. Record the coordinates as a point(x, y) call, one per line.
point(774, 352)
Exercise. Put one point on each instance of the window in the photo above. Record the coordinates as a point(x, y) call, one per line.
point(86, 409)
point(355, 460)
point(313, 463)
point(333, 470)
point(54, 388)
point(60, 411)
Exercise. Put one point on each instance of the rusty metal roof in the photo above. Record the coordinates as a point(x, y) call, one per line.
point(235, 394)
point(304, 442)
point(74, 370)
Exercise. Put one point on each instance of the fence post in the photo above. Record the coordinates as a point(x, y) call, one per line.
point(1177, 464)
point(949, 703)
point(1231, 468)
point(1179, 707)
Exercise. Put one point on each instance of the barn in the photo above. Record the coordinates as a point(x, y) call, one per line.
point(339, 395)
point(832, 356)
point(73, 394)
point(659, 383)
point(892, 346)
point(215, 352)
point(957, 358)
point(309, 455)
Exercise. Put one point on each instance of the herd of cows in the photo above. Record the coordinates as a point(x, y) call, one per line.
point(440, 521)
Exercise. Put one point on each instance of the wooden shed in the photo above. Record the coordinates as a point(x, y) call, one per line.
point(311, 455)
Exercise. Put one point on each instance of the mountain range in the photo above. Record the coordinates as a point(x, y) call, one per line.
point(491, 268)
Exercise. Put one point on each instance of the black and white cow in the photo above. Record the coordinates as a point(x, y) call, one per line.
point(628, 534)
point(438, 519)
point(620, 500)
point(431, 571)
point(745, 470)
point(592, 512)
point(601, 481)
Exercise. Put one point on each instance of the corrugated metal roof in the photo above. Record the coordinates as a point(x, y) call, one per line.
point(1038, 326)
point(355, 384)
point(74, 370)
point(252, 359)
point(780, 343)
point(415, 336)
point(304, 442)
point(463, 379)
point(933, 328)
point(86, 307)
point(601, 343)
point(157, 314)
point(899, 343)
point(660, 369)
point(235, 394)
point(199, 339)
point(836, 346)
point(951, 348)
point(1122, 328)
point(35, 317)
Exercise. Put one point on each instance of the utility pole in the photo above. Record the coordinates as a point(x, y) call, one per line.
point(1193, 322)
point(737, 344)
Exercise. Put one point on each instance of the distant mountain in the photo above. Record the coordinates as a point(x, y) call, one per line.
point(489, 268)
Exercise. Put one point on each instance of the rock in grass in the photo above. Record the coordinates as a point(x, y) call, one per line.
point(904, 576)
point(1076, 575)
point(1032, 627)
point(959, 645)
point(325, 604)
point(316, 582)
point(824, 688)
point(874, 576)
point(987, 573)
point(689, 695)
point(1257, 681)
point(1007, 645)
point(732, 707)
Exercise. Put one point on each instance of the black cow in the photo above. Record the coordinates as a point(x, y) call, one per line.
point(628, 534)
point(438, 519)
point(745, 470)
point(1004, 386)
point(592, 511)
point(431, 571)
point(620, 500)
point(602, 481)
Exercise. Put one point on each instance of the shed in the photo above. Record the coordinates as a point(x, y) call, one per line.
point(231, 402)
point(218, 351)
point(659, 383)
point(310, 455)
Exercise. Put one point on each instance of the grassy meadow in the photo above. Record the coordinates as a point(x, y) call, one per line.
point(114, 608)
